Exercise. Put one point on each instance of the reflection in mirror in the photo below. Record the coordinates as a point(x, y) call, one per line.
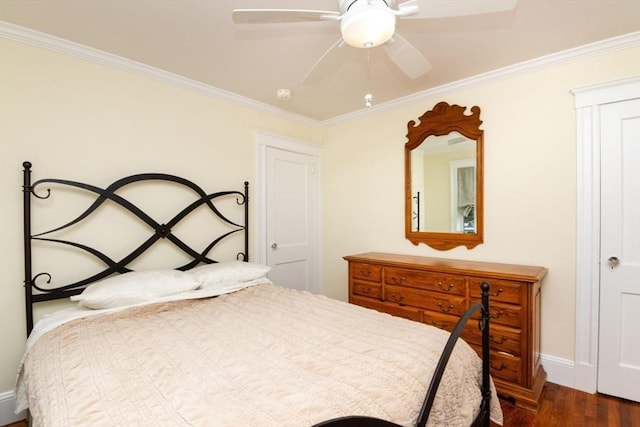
point(443, 178)
point(449, 207)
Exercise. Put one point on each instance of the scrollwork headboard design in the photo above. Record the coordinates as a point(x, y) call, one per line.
point(159, 231)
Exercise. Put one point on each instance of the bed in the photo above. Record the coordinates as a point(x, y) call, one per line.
point(213, 342)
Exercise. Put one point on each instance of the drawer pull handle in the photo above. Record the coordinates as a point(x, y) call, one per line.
point(364, 289)
point(365, 272)
point(396, 298)
point(500, 341)
point(498, 314)
point(447, 309)
point(397, 281)
point(499, 368)
point(498, 292)
point(439, 325)
point(445, 287)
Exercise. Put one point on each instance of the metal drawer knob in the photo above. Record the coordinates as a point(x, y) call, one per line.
point(498, 341)
point(445, 287)
point(498, 368)
point(445, 309)
point(365, 272)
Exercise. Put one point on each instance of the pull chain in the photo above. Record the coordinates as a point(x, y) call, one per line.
point(368, 98)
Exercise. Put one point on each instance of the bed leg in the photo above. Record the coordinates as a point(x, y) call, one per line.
point(486, 361)
point(26, 193)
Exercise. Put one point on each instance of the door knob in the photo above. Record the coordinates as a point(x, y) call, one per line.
point(613, 262)
point(274, 246)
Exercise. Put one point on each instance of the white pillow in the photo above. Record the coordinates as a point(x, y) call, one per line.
point(225, 273)
point(134, 288)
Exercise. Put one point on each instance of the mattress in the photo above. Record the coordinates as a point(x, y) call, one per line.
point(261, 356)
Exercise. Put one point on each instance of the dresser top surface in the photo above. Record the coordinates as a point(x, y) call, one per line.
point(498, 270)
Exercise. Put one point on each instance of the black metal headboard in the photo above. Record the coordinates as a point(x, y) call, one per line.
point(159, 231)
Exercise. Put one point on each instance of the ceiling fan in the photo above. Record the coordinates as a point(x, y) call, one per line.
point(371, 23)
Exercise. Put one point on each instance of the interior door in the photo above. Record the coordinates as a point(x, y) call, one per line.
point(292, 218)
point(619, 334)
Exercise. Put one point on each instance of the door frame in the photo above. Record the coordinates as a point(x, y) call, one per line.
point(263, 141)
point(587, 102)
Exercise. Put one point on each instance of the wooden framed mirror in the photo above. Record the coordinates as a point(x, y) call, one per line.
point(443, 163)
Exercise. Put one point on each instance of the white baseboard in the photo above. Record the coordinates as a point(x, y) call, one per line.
point(7, 404)
point(559, 371)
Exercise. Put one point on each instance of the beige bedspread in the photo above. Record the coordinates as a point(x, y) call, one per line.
point(263, 356)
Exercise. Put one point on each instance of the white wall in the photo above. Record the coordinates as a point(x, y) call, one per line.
point(78, 120)
point(530, 182)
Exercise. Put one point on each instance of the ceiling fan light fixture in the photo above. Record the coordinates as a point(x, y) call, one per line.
point(368, 26)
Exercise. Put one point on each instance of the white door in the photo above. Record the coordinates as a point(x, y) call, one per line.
point(619, 339)
point(292, 218)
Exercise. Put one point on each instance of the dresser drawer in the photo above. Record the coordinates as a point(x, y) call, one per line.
point(503, 365)
point(433, 301)
point(500, 338)
point(499, 290)
point(438, 282)
point(504, 314)
point(366, 271)
point(367, 289)
point(410, 313)
point(440, 320)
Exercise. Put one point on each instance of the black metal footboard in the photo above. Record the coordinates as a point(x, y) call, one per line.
point(483, 417)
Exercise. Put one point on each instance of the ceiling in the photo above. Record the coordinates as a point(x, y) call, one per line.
point(198, 39)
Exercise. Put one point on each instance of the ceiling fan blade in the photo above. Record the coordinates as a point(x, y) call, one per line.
point(272, 16)
point(330, 60)
point(407, 57)
point(448, 8)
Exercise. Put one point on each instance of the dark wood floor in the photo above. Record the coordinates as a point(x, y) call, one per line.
point(565, 407)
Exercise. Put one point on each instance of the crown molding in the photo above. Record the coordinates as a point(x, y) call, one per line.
point(578, 53)
point(66, 47)
point(56, 44)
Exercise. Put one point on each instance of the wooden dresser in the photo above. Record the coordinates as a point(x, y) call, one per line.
point(437, 291)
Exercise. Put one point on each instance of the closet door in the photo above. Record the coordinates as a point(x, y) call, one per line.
point(292, 213)
point(619, 335)
point(288, 210)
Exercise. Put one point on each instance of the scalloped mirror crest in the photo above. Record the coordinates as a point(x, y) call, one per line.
point(442, 120)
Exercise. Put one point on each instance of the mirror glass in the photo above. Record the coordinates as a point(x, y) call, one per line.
point(443, 162)
point(450, 162)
